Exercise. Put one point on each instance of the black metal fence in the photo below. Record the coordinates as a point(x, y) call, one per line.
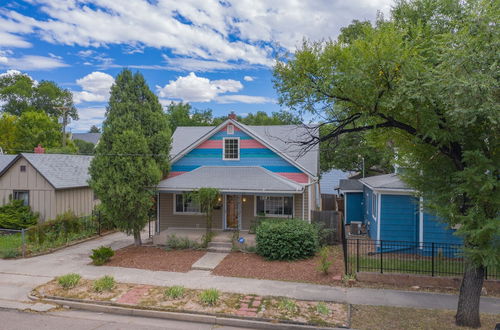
point(434, 259)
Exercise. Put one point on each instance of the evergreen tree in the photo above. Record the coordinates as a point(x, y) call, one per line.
point(132, 154)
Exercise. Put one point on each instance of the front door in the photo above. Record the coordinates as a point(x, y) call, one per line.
point(232, 211)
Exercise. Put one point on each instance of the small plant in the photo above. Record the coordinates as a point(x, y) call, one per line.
point(349, 279)
point(174, 292)
point(105, 283)
point(180, 243)
point(9, 254)
point(209, 297)
point(101, 255)
point(324, 262)
point(288, 305)
point(69, 281)
point(322, 308)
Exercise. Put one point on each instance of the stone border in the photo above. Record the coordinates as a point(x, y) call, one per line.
point(227, 320)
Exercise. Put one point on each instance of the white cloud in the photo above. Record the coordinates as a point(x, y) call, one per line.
point(248, 78)
point(95, 87)
point(31, 62)
point(244, 99)
point(88, 117)
point(192, 88)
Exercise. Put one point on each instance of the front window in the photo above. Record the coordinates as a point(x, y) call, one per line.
point(22, 195)
point(275, 206)
point(184, 204)
point(231, 149)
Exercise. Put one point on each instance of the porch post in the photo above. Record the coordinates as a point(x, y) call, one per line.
point(303, 204)
point(157, 212)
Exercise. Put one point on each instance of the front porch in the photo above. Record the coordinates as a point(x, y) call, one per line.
point(196, 235)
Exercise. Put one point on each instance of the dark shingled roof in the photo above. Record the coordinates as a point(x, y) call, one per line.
point(350, 184)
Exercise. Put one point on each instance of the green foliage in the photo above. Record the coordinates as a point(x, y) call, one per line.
point(324, 262)
point(107, 222)
point(84, 147)
point(180, 243)
point(35, 128)
point(208, 199)
point(94, 129)
point(101, 255)
point(69, 281)
point(8, 133)
point(105, 283)
point(322, 308)
point(209, 297)
point(15, 215)
point(288, 239)
point(137, 133)
point(288, 305)
point(174, 292)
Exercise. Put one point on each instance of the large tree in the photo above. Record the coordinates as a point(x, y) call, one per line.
point(34, 128)
point(132, 154)
point(428, 80)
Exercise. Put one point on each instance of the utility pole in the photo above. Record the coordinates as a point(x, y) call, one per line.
point(64, 111)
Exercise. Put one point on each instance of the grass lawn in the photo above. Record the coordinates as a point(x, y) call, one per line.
point(10, 245)
point(395, 318)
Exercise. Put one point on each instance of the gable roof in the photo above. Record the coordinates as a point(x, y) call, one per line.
point(350, 185)
point(231, 179)
point(386, 181)
point(61, 171)
point(5, 161)
point(330, 181)
point(87, 137)
point(279, 138)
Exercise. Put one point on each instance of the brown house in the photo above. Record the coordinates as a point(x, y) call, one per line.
point(50, 184)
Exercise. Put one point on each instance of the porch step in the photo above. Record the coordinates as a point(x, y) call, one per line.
point(220, 247)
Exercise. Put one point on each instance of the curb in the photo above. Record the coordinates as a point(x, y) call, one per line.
point(177, 316)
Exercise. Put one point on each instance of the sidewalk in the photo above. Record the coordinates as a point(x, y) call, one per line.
point(17, 277)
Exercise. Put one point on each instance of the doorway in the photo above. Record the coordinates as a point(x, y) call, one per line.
point(233, 212)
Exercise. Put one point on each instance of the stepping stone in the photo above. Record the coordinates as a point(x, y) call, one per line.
point(209, 261)
point(133, 296)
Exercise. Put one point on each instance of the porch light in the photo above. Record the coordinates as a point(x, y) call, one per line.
point(220, 199)
point(244, 199)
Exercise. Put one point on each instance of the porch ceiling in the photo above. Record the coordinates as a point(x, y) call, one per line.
point(231, 179)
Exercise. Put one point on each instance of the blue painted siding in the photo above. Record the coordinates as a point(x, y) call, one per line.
point(399, 218)
point(437, 232)
point(367, 213)
point(354, 207)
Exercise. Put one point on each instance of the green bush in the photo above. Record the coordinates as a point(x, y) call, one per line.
point(180, 243)
point(288, 305)
point(69, 281)
point(209, 297)
point(101, 255)
point(65, 225)
point(174, 292)
point(105, 283)
point(324, 262)
point(288, 239)
point(15, 215)
point(100, 214)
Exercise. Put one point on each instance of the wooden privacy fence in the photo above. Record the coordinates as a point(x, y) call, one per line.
point(331, 220)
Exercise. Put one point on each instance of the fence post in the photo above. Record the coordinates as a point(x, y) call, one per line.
point(357, 255)
point(432, 263)
point(99, 222)
point(381, 257)
point(344, 247)
point(23, 238)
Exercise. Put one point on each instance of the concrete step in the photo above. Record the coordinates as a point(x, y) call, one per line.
point(220, 245)
point(219, 249)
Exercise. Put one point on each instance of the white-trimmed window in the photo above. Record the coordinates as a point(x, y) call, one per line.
point(22, 195)
point(375, 198)
point(184, 204)
point(280, 206)
point(230, 129)
point(231, 148)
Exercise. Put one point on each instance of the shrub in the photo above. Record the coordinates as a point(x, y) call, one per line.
point(101, 255)
point(174, 292)
point(325, 235)
point(288, 305)
point(105, 283)
point(209, 297)
point(15, 215)
point(69, 281)
point(289, 239)
point(324, 262)
point(180, 243)
point(9, 254)
point(322, 308)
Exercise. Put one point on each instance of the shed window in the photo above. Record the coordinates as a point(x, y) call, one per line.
point(22, 168)
point(230, 129)
point(275, 206)
point(184, 204)
point(22, 195)
point(231, 149)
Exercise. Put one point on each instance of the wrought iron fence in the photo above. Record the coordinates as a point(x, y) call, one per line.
point(424, 258)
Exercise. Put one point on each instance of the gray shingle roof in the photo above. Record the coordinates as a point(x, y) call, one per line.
point(280, 137)
point(231, 178)
point(88, 137)
point(350, 184)
point(5, 160)
point(62, 171)
point(385, 181)
point(330, 181)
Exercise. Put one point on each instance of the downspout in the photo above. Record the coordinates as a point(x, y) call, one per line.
point(304, 200)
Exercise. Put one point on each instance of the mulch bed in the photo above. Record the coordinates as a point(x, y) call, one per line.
point(154, 258)
point(238, 264)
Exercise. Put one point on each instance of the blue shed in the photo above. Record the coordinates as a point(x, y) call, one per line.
point(391, 212)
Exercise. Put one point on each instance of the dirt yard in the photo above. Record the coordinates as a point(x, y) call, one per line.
point(155, 258)
point(251, 265)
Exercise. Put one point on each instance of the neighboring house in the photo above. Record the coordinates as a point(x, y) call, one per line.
point(87, 137)
point(390, 211)
point(5, 160)
point(258, 169)
point(329, 182)
point(50, 184)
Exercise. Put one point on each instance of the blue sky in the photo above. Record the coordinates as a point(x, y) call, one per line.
point(215, 54)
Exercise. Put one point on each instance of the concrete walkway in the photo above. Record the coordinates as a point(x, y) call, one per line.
point(18, 277)
point(209, 261)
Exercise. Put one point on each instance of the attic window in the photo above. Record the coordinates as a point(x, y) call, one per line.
point(22, 168)
point(230, 129)
point(231, 149)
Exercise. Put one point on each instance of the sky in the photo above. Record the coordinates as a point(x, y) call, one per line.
point(215, 54)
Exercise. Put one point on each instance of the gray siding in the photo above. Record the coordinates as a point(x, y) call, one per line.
point(79, 200)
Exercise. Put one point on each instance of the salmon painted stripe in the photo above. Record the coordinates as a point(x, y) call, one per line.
point(172, 174)
point(210, 144)
point(297, 177)
point(236, 129)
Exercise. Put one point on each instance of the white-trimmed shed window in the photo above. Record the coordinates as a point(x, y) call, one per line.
point(231, 149)
point(184, 204)
point(274, 206)
point(230, 129)
point(22, 195)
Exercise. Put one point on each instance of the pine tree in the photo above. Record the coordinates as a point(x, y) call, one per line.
point(132, 154)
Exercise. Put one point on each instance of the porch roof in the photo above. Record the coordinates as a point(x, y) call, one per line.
point(252, 179)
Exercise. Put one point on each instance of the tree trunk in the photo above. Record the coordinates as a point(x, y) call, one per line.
point(470, 294)
point(137, 238)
